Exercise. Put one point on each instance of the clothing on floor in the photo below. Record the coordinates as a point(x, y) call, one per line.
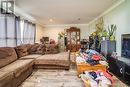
point(92, 62)
point(97, 78)
point(80, 60)
point(96, 57)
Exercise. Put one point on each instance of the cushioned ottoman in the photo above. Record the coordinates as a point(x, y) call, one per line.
point(60, 60)
point(31, 56)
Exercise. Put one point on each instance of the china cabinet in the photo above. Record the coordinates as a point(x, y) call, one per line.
point(73, 39)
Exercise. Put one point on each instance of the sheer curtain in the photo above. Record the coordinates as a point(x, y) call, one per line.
point(25, 32)
point(9, 30)
point(28, 32)
point(18, 31)
point(11, 34)
point(2, 30)
point(32, 33)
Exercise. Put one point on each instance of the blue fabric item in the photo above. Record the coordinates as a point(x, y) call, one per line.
point(92, 62)
point(92, 51)
point(81, 50)
point(93, 75)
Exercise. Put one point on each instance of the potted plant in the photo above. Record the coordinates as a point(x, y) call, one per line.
point(61, 34)
point(104, 34)
point(111, 30)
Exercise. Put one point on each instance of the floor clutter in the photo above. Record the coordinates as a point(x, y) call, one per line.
point(90, 56)
point(94, 76)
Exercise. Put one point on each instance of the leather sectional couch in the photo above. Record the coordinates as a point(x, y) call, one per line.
point(16, 64)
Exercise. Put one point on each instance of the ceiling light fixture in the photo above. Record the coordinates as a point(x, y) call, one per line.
point(51, 20)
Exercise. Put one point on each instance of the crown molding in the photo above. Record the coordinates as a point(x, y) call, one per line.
point(65, 25)
point(107, 11)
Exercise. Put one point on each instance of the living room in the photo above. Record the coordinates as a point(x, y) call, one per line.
point(64, 43)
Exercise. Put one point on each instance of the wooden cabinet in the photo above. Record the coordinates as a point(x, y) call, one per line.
point(73, 39)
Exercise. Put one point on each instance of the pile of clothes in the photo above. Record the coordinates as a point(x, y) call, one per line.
point(90, 56)
point(97, 78)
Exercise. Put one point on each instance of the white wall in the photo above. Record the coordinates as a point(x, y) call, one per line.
point(52, 31)
point(121, 17)
point(39, 33)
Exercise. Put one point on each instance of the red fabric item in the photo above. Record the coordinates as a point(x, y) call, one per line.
point(96, 57)
point(107, 75)
point(52, 41)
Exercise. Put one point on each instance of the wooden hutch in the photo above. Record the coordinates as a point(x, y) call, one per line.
point(73, 39)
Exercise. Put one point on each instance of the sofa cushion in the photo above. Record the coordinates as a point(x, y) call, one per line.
point(33, 49)
point(5, 77)
point(28, 46)
point(52, 49)
point(60, 59)
point(37, 49)
point(31, 56)
point(4, 53)
point(18, 66)
point(7, 55)
point(22, 50)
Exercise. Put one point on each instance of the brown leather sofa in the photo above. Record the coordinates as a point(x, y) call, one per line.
point(16, 64)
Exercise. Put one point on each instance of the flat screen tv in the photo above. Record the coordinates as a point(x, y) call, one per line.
point(125, 46)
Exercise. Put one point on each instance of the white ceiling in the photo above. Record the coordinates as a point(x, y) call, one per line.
point(64, 11)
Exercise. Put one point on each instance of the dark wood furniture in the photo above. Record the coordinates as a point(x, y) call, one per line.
point(73, 39)
point(120, 67)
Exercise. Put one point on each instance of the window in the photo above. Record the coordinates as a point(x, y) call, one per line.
point(2, 31)
point(14, 31)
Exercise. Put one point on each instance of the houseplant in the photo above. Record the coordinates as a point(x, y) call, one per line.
point(61, 34)
point(103, 34)
point(111, 31)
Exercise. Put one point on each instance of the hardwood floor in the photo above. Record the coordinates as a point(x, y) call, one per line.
point(58, 78)
point(53, 78)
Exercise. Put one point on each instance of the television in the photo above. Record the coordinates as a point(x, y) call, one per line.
point(125, 52)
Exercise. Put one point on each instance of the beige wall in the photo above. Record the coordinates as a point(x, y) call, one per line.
point(52, 31)
point(39, 33)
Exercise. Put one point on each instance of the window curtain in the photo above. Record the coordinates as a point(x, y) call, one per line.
point(2, 30)
point(11, 34)
point(28, 33)
point(18, 31)
point(9, 31)
point(33, 31)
